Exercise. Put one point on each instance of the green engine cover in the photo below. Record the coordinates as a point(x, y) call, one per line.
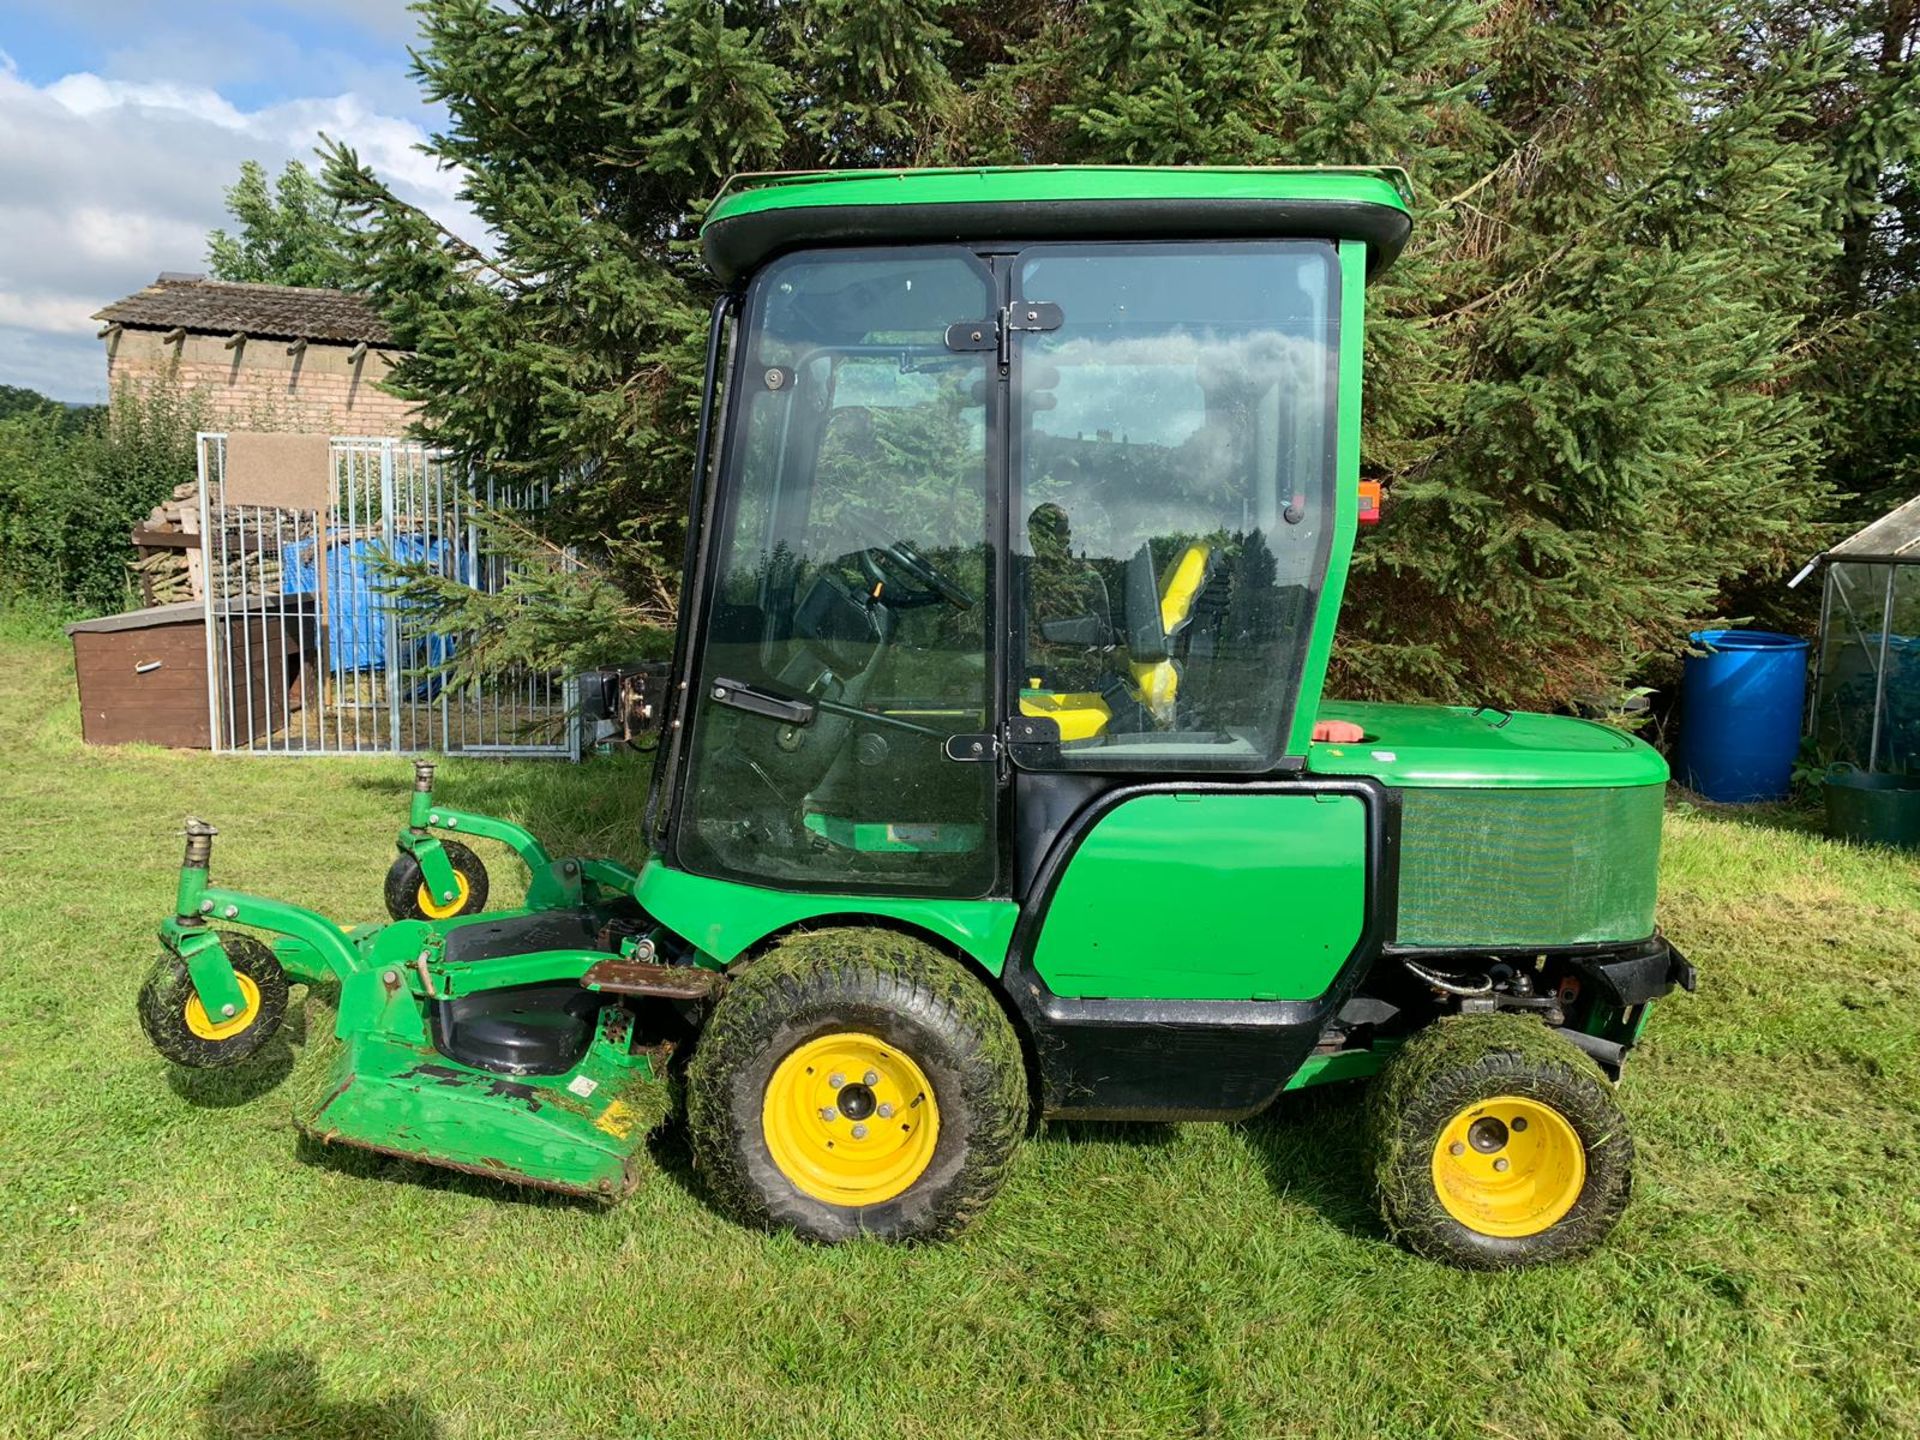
point(1528, 867)
point(1209, 896)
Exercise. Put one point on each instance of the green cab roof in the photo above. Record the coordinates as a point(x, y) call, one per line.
point(756, 217)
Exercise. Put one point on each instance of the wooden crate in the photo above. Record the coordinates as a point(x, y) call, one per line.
point(143, 675)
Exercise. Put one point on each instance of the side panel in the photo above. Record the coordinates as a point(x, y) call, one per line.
point(722, 918)
point(1210, 896)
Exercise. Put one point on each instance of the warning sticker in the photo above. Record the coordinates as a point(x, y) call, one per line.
point(582, 1086)
point(617, 1120)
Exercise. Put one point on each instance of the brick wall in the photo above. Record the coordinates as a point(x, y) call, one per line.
point(259, 386)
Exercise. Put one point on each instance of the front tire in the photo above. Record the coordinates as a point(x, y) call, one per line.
point(179, 1026)
point(856, 1082)
point(1497, 1144)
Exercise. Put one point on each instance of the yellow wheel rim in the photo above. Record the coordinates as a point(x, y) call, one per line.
point(207, 1028)
point(433, 910)
point(1509, 1166)
point(850, 1120)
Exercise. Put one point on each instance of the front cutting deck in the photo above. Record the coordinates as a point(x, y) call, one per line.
point(578, 1132)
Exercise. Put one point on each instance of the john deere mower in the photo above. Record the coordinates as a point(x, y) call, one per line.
point(996, 781)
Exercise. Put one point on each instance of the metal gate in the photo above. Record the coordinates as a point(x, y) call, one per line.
point(307, 653)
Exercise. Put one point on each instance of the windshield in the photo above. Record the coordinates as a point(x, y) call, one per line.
point(1173, 501)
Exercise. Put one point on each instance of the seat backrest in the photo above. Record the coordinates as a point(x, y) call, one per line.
point(1181, 585)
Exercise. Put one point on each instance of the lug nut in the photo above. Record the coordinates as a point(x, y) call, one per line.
point(872, 1077)
point(1519, 1122)
point(836, 1080)
point(1501, 1164)
point(859, 1132)
point(829, 1114)
point(1456, 1148)
point(885, 1112)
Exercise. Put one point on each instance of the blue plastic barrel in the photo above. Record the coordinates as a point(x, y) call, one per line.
point(1740, 722)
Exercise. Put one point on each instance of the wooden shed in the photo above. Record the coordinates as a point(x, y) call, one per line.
point(143, 675)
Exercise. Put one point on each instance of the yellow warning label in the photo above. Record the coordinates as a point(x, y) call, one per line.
point(617, 1120)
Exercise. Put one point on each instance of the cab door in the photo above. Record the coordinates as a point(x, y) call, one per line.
point(849, 633)
point(1173, 503)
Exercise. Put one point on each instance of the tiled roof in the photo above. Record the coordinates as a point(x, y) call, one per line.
point(220, 307)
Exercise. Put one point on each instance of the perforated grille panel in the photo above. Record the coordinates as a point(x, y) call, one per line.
point(1528, 867)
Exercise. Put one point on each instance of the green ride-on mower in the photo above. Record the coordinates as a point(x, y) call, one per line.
point(996, 781)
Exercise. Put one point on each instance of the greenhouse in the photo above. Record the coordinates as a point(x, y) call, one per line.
point(1866, 702)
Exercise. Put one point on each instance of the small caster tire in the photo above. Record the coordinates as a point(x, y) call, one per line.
point(856, 1082)
point(409, 899)
point(1497, 1145)
point(178, 1024)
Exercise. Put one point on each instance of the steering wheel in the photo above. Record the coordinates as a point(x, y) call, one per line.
point(910, 562)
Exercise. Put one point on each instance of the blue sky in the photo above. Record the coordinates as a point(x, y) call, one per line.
point(122, 121)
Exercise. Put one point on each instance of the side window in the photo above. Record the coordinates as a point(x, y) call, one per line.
point(1173, 489)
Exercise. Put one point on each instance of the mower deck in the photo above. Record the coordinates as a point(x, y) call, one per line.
point(576, 1132)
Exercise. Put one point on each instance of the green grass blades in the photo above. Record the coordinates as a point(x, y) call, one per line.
point(175, 1263)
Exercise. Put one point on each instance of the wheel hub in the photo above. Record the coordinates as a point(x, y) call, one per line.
point(1510, 1166)
point(850, 1119)
point(226, 1026)
point(857, 1101)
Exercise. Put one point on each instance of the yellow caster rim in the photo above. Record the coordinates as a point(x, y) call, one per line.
point(434, 910)
point(207, 1028)
point(1509, 1166)
point(850, 1120)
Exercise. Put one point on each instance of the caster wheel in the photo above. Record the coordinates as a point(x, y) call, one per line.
point(409, 899)
point(179, 1026)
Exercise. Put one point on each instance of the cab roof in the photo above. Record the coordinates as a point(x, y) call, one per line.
point(756, 217)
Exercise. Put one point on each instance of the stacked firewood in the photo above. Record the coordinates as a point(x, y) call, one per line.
point(167, 561)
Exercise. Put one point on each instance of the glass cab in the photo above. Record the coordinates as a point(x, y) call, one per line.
point(1084, 488)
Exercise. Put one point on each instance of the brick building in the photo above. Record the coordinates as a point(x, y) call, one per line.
point(266, 357)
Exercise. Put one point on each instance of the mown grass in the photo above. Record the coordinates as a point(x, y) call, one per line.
point(172, 1263)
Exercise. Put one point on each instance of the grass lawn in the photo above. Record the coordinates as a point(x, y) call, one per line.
point(172, 1265)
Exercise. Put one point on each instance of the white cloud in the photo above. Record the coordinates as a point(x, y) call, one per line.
point(105, 182)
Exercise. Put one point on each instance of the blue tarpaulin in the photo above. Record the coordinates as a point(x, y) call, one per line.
point(357, 610)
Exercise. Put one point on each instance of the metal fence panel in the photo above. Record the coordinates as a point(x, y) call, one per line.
point(306, 652)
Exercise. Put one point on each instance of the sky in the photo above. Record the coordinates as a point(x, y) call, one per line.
point(123, 121)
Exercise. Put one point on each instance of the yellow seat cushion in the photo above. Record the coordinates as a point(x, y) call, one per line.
point(1080, 714)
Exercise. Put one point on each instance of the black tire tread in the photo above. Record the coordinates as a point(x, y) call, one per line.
point(1459, 1060)
point(164, 995)
point(865, 972)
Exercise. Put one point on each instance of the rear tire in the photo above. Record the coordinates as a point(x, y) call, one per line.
point(180, 1028)
point(406, 890)
point(1496, 1145)
point(930, 1104)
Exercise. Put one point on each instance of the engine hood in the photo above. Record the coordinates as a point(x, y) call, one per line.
point(1461, 747)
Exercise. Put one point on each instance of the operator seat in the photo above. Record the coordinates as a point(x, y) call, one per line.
point(1187, 579)
point(1188, 592)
